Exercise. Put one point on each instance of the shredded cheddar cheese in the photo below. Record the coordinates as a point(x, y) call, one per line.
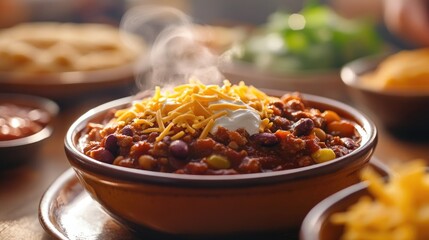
point(193, 108)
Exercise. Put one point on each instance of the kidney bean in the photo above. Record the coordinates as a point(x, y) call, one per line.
point(111, 144)
point(127, 131)
point(103, 155)
point(179, 149)
point(265, 139)
point(303, 127)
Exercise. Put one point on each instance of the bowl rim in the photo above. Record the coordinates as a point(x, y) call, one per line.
point(313, 221)
point(369, 140)
point(38, 102)
point(350, 75)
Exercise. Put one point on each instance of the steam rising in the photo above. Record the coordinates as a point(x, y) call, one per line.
point(175, 54)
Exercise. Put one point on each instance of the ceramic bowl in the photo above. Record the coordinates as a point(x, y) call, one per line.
point(405, 113)
point(317, 224)
point(61, 60)
point(195, 205)
point(22, 149)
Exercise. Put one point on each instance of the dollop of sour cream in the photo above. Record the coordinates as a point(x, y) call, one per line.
point(247, 119)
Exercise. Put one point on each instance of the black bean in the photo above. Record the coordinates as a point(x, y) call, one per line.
point(179, 149)
point(127, 131)
point(111, 144)
point(303, 127)
point(265, 139)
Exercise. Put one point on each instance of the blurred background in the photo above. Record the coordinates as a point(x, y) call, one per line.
point(224, 12)
point(288, 45)
point(280, 44)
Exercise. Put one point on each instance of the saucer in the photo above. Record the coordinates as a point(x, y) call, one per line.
point(67, 211)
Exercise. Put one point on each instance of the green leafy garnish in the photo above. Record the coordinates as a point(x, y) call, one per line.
point(316, 38)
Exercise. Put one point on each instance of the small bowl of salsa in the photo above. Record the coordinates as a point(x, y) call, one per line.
point(24, 124)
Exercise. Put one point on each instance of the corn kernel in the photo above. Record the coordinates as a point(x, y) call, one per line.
point(218, 162)
point(319, 133)
point(323, 155)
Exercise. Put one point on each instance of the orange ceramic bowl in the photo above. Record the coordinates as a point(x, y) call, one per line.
point(195, 205)
point(404, 113)
point(66, 86)
point(317, 224)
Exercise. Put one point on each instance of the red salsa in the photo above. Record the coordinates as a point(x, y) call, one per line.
point(20, 121)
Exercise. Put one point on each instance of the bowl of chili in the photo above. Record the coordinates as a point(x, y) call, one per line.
point(152, 166)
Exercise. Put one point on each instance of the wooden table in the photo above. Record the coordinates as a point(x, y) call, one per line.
point(21, 188)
